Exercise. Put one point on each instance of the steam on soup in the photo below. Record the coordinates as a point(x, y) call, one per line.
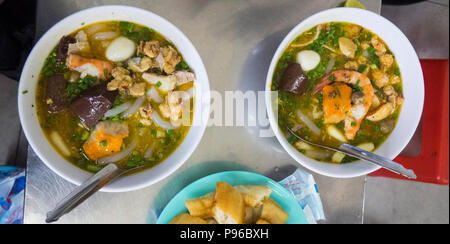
point(115, 92)
point(337, 82)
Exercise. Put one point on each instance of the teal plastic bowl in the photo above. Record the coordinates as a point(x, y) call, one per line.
point(208, 184)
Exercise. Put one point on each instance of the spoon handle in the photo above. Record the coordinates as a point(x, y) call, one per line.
point(378, 160)
point(85, 190)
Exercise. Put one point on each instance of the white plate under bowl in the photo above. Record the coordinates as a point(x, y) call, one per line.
point(35, 62)
point(413, 89)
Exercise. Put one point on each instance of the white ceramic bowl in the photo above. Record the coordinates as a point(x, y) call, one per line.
point(35, 62)
point(413, 89)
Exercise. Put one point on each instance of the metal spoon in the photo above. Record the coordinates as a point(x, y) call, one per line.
point(108, 174)
point(364, 155)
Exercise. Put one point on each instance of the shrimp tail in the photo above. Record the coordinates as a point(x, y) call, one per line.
point(325, 81)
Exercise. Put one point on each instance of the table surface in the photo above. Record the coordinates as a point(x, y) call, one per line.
point(236, 40)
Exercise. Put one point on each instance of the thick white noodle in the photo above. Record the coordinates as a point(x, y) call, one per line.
point(190, 92)
point(95, 28)
point(118, 156)
point(148, 153)
point(154, 95)
point(162, 123)
point(320, 155)
point(330, 65)
point(309, 123)
point(59, 142)
point(136, 105)
point(119, 109)
point(105, 35)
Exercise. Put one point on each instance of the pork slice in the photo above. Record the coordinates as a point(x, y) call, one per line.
point(55, 93)
point(92, 105)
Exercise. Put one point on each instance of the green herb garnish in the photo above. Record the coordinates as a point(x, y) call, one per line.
point(292, 139)
point(51, 120)
point(362, 68)
point(356, 87)
point(74, 89)
point(84, 135)
point(182, 66)
point(93, 168)
point(135, 33)
point(52, 66)
point(320, 123)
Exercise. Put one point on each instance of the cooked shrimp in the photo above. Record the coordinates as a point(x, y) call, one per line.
point(360, 106)
point(106, 139)
point(88, 66)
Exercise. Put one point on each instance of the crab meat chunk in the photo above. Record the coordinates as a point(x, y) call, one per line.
point(89, 66)
point(146, 111)
point(151, 48)
point(184, 77)
point(164, 83)
point(81, 45)
point(140, 64)
point(122, 79)
point(171, 59)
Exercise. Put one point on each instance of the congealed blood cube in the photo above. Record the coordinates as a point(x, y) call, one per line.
point(93, 104)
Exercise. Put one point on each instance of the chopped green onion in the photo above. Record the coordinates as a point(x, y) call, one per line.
point(131, 164)
point(292, 139)
point(51, 120)
point(85, 135)
point(93, 168)
point(362, 68)
point(103, 143)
